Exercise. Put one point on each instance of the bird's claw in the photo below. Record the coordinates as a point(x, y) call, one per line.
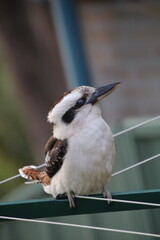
point(71, 197)
point(107, 194)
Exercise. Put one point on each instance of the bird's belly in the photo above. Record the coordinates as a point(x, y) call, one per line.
point(88, 164)
point(87, 182)
point(82, 181)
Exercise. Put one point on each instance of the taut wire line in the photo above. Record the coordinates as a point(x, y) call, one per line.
point(135, 165)
point(136, 126)
point(120, 200)
point(18, 175)
point(82, 226)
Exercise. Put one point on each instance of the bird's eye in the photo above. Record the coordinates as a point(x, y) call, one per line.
point(80, 102)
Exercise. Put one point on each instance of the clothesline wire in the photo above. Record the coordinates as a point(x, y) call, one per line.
point(81, 226)
point(120, 201)
point(136, 164)
point(18, 175)
point(136, 126)
point(114, 135)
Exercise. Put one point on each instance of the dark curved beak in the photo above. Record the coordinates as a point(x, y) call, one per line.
point(102, 92)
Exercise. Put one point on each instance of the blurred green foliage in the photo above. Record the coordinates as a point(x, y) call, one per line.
point(15, 150)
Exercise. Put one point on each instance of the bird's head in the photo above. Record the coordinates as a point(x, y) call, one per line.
point(75, 106)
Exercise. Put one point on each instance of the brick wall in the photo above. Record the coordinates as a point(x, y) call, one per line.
point(122, 41)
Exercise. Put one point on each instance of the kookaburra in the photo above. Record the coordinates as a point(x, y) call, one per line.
point(80, 155)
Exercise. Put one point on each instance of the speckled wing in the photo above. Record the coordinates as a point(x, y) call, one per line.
point(55, 151)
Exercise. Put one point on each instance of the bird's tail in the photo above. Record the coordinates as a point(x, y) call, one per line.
point(31, 173)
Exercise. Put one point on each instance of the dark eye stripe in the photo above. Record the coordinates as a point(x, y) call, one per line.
point(70, 114)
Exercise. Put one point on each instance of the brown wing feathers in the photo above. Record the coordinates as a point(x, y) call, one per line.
point(55, 151)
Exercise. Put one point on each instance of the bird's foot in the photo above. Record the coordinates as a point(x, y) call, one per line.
point(107, 194)
point(70, 197)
